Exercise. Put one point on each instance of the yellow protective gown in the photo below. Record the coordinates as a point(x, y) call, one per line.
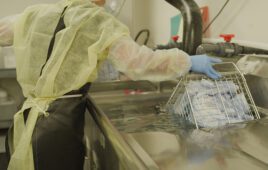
point(77, 52)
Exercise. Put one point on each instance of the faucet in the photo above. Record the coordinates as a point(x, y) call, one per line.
point(192, 28)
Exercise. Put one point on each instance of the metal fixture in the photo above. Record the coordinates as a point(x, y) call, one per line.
point(227, 49)
point(172, 44)
point(192, 28)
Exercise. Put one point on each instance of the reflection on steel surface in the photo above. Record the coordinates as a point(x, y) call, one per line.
point(254, 65)
point(140, 123)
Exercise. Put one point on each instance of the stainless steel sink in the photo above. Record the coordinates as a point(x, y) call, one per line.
point(133, 131)
point(254, 65)
point(134, 112)
point(255, 68)
point(258, 87)
point(229, 149)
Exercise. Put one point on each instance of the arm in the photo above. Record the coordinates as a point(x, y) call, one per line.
point(6, 30)
point(142, 63)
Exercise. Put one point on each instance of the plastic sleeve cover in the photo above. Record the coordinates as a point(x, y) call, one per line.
point(142, 63)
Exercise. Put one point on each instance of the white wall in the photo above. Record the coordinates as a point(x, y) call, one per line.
point(126, 14)
point(244, 18)
point(10, 7)
point(153, 15)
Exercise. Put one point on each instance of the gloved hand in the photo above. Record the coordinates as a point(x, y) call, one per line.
point(203, 64)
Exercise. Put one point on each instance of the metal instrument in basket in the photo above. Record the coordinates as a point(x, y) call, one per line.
point(213, 103)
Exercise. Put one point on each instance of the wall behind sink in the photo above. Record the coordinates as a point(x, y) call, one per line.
point(244, 18)
point(10, 7)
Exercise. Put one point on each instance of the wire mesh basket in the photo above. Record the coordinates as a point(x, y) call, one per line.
point(207, 103)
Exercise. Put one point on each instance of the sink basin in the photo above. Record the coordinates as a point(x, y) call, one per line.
point(254, 65)
point(255, 68)
point(243, 147)
point(132, 117)
point(259, 87)
point(158, 141)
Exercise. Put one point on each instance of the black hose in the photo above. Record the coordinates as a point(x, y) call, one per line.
point(147, 35)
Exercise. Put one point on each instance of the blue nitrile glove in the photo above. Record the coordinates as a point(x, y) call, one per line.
point(203, 64)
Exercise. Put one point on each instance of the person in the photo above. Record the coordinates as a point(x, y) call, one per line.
point(59, 48)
